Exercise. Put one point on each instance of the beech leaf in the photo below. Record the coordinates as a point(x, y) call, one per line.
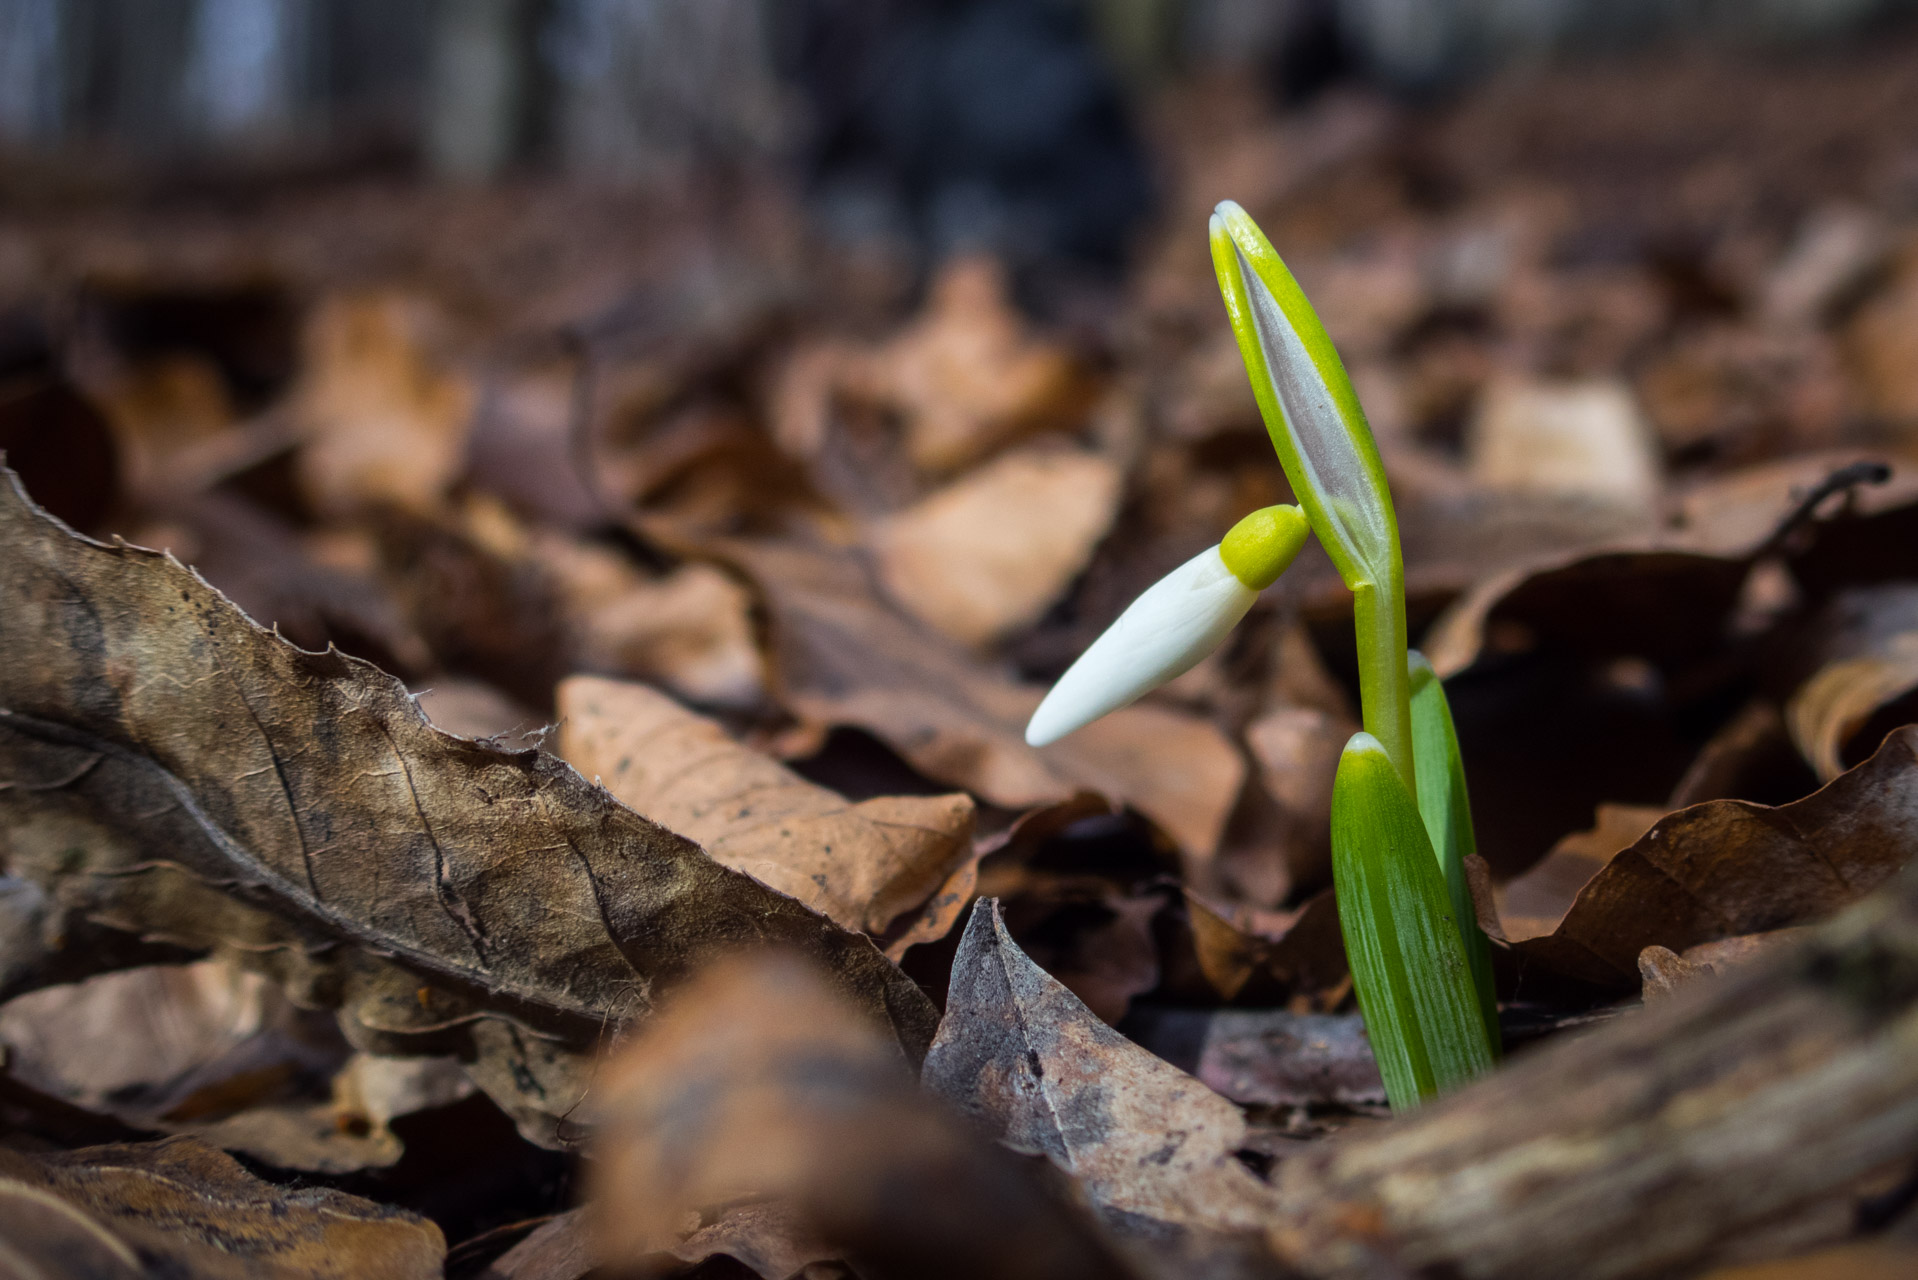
point(864, 865)
point(1152, 1147)
point(169, 768)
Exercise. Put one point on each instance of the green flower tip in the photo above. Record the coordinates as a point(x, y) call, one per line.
point(1259, 547)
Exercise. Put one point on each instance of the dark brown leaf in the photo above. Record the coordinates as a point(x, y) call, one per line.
point(762, 1087)
point(1729, 867)
point(168, 768)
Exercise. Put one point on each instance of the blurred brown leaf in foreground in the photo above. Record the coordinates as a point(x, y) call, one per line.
point(762, 1084)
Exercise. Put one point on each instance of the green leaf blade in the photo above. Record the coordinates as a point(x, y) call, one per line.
point(1447, 811)
point(1414, 983)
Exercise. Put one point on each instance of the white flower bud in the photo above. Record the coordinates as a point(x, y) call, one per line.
point(1180, 618)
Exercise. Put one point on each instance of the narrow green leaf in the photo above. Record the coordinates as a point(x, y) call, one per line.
point(1447, 811)
point(1408, 963)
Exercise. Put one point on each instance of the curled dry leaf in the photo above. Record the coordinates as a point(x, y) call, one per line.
point(844, 657)
point(1729, 867)
point(1256, 956)
point(180, 1208)
point(1533, 904)
point(1667, 594)
point(988, 553)
point(174, 771)
point(863, 865)
point(762, 1087)
point(385, 416)
point(1151, 1146)
point(1868, 638)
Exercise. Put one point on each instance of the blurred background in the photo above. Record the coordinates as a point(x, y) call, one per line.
point(941, 123)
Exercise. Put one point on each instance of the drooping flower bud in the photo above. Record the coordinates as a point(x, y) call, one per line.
point(1180, 618)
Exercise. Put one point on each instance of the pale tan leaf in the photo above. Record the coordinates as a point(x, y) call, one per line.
point(863, 865)
point(987, 554)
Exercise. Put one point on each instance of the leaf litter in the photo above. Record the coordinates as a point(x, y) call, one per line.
point(729, 590)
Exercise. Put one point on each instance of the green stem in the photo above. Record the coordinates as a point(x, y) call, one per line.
point(1385, 690)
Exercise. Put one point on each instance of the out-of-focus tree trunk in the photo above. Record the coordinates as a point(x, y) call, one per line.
point(652, 90)
point(480, 82)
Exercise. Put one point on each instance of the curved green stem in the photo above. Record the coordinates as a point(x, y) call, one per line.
point(1385, 690)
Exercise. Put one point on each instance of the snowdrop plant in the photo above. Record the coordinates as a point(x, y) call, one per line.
point(1401, 820)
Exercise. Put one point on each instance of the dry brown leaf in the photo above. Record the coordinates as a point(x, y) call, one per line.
point(1729, 867)
point(1834, 705)
point(1665, 973)
point(987, 554)
point(1867, 640)
point(761, 1085)
point(1145, 1140)
point(1532, 905)
point(1259, 957)
point(1882, 341)
point(1835, 248)
point(179, 1208)
point(172, 770)
point(385, 415)
point(1739, 393)
point(161, 409)
point(1653, 604)
point(218, 1054)
point(1666, 593)
point(561, 1248)
point(1584, 439)
point(689, 629)
point(966, 375)
point(843, 657)
point(1098, 941)
point(1297, 750)
point(1267, 1057)
point(863, 865)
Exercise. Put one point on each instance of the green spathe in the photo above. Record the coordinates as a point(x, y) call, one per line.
point(1326, 447)
point(1414, 983)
